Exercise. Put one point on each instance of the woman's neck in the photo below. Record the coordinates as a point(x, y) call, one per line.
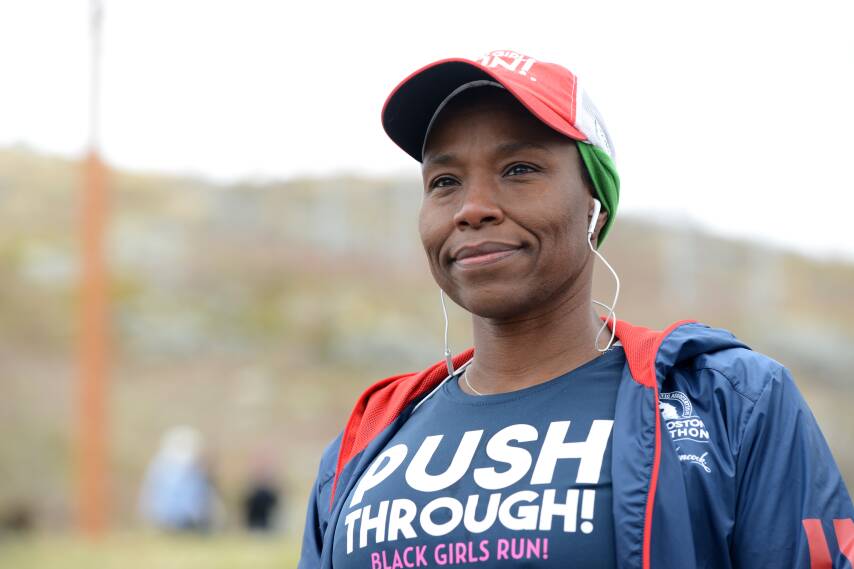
point(512, 355)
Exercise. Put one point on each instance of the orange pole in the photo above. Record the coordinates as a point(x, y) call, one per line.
point(92, 451)
point(93, 348)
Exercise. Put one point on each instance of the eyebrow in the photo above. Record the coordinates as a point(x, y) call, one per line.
point(501, 150)
point(511, 147)
point(441, 159)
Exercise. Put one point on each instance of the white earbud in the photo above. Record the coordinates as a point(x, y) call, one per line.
point(597, 207)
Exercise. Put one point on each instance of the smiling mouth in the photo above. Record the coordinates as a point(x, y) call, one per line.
point(480, 259)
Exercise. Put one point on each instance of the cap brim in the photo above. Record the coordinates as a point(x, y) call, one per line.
point(407, 112)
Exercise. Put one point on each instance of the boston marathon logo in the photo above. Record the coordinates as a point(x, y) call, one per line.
point(680, 420)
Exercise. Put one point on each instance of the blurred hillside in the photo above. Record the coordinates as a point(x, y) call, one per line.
point(257, 312)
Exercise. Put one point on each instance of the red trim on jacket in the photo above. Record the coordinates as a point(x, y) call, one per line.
point(382, 403)
point(648, 378)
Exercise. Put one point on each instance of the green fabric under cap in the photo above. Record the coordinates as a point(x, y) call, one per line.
point(606, 182)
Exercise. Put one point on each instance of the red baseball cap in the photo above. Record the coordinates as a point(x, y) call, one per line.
point(549, 91)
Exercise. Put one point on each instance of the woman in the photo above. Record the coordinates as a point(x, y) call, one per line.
point(542, 447)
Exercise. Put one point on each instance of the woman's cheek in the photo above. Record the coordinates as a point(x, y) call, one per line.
point(433, 234)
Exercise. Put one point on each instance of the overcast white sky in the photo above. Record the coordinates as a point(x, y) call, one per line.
point(737, 116)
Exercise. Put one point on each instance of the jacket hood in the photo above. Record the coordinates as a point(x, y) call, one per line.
point(652, 353)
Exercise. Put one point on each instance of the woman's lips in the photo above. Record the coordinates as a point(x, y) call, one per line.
point(475, 259)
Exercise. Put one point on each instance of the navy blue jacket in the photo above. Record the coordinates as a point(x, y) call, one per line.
point(718, 462)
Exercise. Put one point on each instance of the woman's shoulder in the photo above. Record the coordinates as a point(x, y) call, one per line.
point(695, 349)
point(748, 372)
point(329, 461)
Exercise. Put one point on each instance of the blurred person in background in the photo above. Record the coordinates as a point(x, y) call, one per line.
point(18, 518)
point(178, 493)
point(262, 501)
point(562, 439)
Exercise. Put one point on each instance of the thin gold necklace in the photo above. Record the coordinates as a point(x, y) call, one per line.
point(466, 379)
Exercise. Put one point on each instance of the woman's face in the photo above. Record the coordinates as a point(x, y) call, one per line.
point(505, 209)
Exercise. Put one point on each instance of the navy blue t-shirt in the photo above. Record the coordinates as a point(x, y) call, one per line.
point(519, 479)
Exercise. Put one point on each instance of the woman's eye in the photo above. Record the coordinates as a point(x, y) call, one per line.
point(443, 182)
point(517, 169)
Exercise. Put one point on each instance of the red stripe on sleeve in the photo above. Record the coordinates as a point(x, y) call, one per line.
point(845, 537)
point(819, 552)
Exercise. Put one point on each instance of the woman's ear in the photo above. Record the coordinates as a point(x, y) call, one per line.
point(601, 220)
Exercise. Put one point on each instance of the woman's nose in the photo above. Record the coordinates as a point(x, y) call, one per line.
point(479, 206)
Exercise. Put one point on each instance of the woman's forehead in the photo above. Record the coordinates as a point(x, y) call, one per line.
point(495, 120)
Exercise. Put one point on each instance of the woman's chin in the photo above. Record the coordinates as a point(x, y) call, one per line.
point(496, 304)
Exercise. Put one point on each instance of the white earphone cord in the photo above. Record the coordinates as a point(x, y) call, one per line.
point(448, 361)
point(612, 315)
point(597, 206)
